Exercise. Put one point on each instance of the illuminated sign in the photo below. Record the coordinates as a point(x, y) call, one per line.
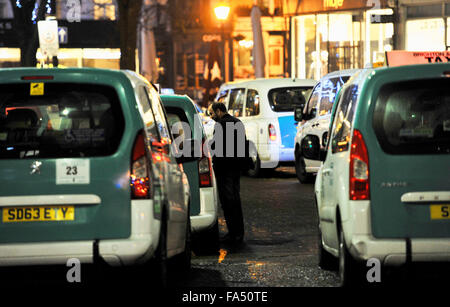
point(333, 3)
point(399, 57)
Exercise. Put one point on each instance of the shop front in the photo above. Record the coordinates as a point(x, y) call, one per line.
point(426, 25)
point(333, 35)
point(274, 30)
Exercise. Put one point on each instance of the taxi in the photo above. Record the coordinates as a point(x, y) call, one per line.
point(87, 170)
point(382, 191)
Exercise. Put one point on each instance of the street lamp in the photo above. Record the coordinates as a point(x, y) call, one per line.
point(222, 12)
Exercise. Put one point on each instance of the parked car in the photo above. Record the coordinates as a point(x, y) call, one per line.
point(314, 119)
point(383, 189)
point(87, 170)
point(186, 125)
point(266, 108)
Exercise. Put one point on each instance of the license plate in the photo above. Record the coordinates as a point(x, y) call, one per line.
point(38, 214)
point(440, 212)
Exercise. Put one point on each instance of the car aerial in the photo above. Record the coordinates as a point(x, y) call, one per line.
point(266, 108)
point(314, 119)
point(383, 189)
point(87, 171)
point(186, 124)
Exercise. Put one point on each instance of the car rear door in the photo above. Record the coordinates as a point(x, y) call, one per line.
point(64, 157)
point(409, 154)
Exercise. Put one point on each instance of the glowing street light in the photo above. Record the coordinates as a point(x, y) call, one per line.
point(222, 12)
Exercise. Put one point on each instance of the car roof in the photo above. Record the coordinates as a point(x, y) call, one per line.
point(270, 82)
point(134, 78)
point(339, 73)
point(181, 101)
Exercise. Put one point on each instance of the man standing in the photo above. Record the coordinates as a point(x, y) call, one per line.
point(229, 150)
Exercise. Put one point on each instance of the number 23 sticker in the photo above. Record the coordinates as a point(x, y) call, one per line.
point(72, 171)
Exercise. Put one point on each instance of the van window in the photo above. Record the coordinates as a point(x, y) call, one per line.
point(252, 104)
point(236, 103)
point(343, 122)
point(160, 117)
point(147, 116)
point(286, 98)
point(414, 117)
point(328, 92)
point(68, 120)
point(177, 120)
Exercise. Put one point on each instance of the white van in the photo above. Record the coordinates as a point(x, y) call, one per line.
point(266, 108)
point(315, 120)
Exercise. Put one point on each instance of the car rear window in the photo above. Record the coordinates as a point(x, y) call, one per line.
point(286, 98)
point(63, 120)
point(414, 117)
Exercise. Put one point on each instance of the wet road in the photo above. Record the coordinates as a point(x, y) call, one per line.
point(279, 250)
point(280, 247)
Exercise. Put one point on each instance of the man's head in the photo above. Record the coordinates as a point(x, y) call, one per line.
point(218, 110)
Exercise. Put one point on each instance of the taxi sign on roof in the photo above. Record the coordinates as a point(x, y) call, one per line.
point(400, 57)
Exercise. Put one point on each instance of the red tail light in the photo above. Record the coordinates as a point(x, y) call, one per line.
point(359, 168)
point(205, 170)
point(139, 178)
point(272, 133)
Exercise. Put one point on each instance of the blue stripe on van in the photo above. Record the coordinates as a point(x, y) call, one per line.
point(288, 130)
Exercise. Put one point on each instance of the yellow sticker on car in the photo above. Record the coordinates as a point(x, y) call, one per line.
point(38, 214)
point(440, 212)
point(36, 89)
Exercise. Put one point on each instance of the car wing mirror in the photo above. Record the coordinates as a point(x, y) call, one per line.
point(298, 114)
point(311, 148)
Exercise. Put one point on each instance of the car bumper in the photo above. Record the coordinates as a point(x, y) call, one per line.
point(208, 210)
point(138, 248)
point(392, 252)
point(272, 154)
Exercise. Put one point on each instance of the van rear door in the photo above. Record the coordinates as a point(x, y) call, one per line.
point(410, 165)
point(64, 174)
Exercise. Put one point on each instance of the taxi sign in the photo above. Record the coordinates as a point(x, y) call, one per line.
point(401, 57)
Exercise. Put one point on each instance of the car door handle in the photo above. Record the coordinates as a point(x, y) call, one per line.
point(327, 172)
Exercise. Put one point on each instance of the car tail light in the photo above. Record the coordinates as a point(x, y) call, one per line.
point(140, 177)
point(359, 168)
point(272, 133)
point(205, 170)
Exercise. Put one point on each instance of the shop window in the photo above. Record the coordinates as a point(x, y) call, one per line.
point(104, 9)
point(426, 34)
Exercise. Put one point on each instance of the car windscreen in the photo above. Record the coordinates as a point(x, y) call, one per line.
point(414, 117)
point(286, 98)
point(62, 120)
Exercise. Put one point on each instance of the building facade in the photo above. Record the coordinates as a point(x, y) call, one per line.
point(88, 34)
point(341, 34)
point(424, 25)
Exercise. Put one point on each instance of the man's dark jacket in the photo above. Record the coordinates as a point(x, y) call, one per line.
point(236, 136)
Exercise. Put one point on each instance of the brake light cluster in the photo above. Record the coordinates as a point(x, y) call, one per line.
point(359, 168)
point(205, 170)
point(139, 177)
point(272, 133)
